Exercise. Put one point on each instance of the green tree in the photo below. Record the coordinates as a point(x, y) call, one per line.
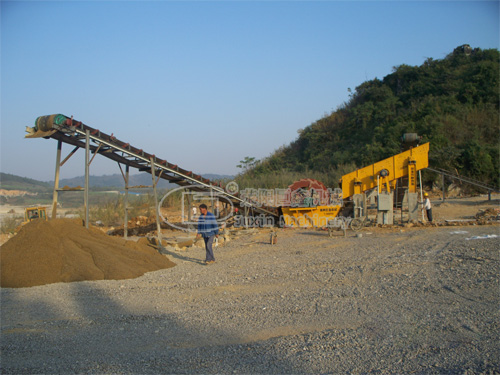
point(453, 103)
point(247, 163)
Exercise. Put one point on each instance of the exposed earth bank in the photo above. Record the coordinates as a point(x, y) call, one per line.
point(409, 300)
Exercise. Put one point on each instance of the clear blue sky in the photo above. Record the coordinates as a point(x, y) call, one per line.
point(203, 84)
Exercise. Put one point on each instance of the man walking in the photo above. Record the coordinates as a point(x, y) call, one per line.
point(428, 207)
point(208, 229)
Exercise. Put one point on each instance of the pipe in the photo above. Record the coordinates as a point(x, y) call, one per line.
point(421, 194)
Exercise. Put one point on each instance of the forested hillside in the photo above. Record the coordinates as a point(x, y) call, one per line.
point(452, 103)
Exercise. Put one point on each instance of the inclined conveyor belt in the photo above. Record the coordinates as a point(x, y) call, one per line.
point(67, 130)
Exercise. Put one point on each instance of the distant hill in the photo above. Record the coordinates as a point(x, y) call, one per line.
point(114, 181)
point(117, 181)
point(13, 182)
point(452, 103)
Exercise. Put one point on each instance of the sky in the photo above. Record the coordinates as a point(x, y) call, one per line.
point(203, 84)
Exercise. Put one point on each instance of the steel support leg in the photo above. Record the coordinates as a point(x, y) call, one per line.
point(189, 208)
point(442, 184)
point(86, 191)
point(421, 194)
point(157, 208)
point(56, 180)
point(212, 200)
point(125, 204)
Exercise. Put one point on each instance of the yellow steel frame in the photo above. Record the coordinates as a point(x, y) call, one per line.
point(406, 163)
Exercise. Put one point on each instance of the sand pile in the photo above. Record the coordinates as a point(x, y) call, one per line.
point(63, 250)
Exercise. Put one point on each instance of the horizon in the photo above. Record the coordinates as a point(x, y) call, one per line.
point(111, 175)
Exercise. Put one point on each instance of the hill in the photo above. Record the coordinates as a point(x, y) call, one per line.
point(452, 103)
point(40, 193)
point(115, 181)
point(13, 182)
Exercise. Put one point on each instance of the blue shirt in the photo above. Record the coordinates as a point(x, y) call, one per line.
point(207, 225)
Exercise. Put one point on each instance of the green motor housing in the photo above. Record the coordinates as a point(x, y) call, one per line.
point(46, 123)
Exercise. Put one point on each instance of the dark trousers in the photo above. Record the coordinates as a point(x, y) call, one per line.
point(208, 247)
point(429, 214)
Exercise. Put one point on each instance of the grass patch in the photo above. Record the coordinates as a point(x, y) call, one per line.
point(110, 210)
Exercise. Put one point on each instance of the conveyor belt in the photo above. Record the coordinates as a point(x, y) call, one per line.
point(75, 133)
point(466, 180)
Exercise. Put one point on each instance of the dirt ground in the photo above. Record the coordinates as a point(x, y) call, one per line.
point(394, 300)
point(462, 208)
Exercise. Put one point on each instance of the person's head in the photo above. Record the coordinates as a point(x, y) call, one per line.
point(203, 208)
point(426, 195)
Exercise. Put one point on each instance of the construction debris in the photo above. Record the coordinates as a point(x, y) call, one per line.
point(490, 214)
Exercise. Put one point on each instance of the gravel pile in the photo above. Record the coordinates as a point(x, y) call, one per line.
point(391, 301)
point(63, 250)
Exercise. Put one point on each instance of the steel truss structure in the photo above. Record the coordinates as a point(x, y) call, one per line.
point(95, 142)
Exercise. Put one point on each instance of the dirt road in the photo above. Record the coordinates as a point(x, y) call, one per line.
point(415, 300)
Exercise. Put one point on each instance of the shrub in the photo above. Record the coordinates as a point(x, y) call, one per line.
point(10, 223)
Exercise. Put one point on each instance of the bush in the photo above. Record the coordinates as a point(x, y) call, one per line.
point(112, 211)
point(10, 223)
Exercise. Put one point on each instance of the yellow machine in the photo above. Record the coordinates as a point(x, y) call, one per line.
point(312, 205)
point(385, 173)
point(34, 213)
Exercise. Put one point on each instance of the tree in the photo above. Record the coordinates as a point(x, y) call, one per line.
point(247, 163)
point(452, 103)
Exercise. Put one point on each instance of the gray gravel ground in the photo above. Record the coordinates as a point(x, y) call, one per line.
point(422, 301)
